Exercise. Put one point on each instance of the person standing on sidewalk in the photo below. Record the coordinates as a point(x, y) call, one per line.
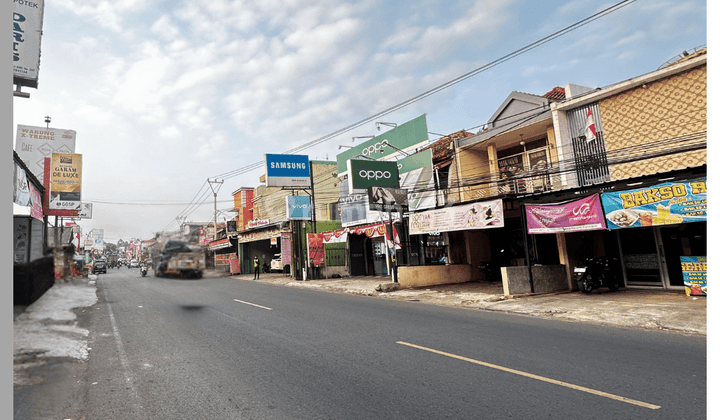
point(256, 261)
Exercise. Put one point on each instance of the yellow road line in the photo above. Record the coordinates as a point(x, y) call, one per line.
point(252, 304)
point(539, 378)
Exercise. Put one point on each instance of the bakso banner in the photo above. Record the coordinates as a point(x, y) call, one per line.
point(417, 176)
point(287, 171)
point(484, 215)
point(65, 181)
point(662, 204)
point(579, 215)
point(405, 136)
point(298, 207)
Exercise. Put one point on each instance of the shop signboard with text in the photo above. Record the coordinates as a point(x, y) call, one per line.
point(417, 176)
point(287, 171)
point(369, 173)
point(316, 250)
point(403, 137)
point(27, 35)
point(578, 215)
point(34, 144)
point(662, 204)
point(482, 215)
point(65, 181)
point(298, 207)
point(694, 271)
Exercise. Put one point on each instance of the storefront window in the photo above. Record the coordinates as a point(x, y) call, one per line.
point(434, 248)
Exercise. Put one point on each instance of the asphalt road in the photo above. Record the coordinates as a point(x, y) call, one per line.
point(228, 349)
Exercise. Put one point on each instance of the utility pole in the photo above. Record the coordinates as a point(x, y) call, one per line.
point(212, 187)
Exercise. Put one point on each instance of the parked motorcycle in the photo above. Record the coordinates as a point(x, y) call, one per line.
point(597, 272)
point(143, 270)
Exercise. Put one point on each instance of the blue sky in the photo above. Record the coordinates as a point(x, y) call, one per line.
point(166, 94)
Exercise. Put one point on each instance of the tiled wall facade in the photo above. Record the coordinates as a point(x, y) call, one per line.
point(650, 118)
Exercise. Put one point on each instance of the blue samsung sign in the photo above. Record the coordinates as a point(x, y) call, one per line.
point(287, 170)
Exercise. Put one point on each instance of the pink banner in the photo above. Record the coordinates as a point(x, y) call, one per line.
point(584, 214)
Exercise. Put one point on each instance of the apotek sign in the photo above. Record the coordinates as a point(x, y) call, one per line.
point(27, 32)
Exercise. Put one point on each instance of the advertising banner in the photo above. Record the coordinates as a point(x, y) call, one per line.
point(694, 271)
point(85, 211)
point(579, 215)
point(65, 181)
point(287, 171)
point(34, 144)
point(405, 136)
point(285, 248)
point(21, 192)
point(27, 34)
point(662, 204)
point(36, 210)
point(369, 173)
point(483, 215)
point(387, 199)
point(234, 264)
point(316, 250)
point(417, 176)
point(298, 207)
point(372, 231)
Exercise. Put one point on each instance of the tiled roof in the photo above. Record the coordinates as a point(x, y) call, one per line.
point(556, 95)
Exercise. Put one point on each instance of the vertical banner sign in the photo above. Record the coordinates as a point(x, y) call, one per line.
point(287, 171)
point(694, 271)
point(34, 144)
point(316, 250)
point(662, 204)
point(27, 32)
point(65, 181)
point(286, 248)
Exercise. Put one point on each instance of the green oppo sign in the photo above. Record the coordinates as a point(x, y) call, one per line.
point(401, 137)
point(370, 173)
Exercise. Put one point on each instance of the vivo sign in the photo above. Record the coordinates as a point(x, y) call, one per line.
point(367, 173)
point(298, 207)
point(287, 171)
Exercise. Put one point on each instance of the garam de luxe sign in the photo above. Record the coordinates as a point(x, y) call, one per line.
point(65, 181)
point(27, 32)
point(575, 216)
point(287, 171)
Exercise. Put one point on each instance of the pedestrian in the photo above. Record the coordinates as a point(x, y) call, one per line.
point(256, 261)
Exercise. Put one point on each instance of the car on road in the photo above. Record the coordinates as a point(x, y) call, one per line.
point(99, 266)
point(276, 263)
point(134, 264)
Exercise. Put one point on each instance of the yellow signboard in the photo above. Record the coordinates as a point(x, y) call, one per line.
point(65, 181)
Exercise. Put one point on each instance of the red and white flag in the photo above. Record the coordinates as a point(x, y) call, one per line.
point(590, 133)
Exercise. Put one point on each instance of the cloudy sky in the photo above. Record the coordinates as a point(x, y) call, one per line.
point(165, 95)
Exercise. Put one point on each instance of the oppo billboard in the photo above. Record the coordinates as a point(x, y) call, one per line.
point(369, 173)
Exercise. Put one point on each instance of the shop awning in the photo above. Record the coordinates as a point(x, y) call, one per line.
point(219, 244)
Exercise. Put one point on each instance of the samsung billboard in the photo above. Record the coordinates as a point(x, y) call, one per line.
point(287, 171)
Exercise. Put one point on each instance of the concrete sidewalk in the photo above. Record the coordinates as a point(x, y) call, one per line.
point(629, 307)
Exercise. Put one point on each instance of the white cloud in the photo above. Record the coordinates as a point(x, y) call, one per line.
point(212, 146)
point(107, 14)
point(635, 38)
